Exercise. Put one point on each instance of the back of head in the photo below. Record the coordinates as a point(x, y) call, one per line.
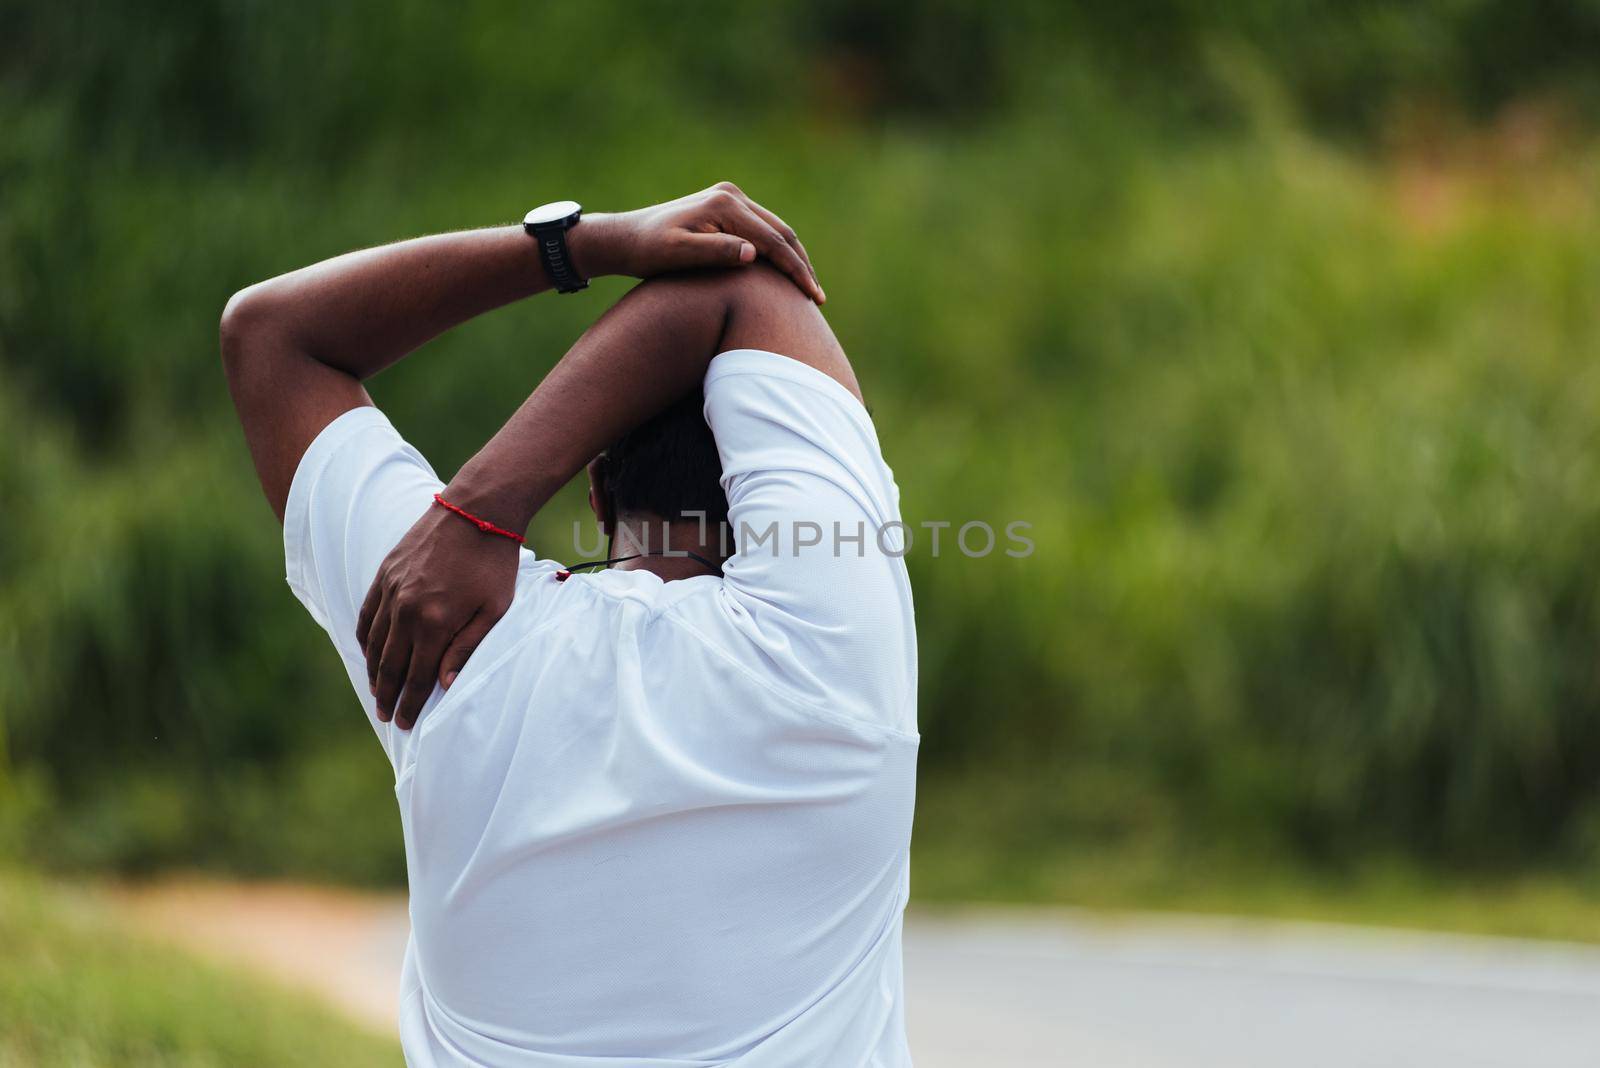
point(667, 468)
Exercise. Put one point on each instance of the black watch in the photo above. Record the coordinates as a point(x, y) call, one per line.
point(548, 225)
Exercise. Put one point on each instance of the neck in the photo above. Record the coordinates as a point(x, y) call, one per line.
point(662, 547)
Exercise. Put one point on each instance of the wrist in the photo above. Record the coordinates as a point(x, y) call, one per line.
point(598, 245)
point(509, 502)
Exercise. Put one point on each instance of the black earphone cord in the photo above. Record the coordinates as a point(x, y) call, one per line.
point(696, 557)
point(611, 540)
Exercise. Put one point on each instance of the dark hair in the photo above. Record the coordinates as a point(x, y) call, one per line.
point(668, 466)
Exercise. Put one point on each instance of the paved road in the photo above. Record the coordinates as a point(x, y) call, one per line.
point(1023, 989)
point(985, 989)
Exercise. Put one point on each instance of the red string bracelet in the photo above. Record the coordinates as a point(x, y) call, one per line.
point(482, 524)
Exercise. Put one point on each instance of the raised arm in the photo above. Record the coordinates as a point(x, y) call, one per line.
point(446, 584)
point(297, 347)
point(643, 354)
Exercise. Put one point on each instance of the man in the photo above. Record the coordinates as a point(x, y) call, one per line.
point(656, 815)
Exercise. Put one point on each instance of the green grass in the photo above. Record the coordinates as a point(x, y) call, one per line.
point(78, 990)
point(1400, 895)
point(997, 841)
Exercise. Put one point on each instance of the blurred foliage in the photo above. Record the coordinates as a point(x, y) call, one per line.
point(77, 990)
point(1277, 322)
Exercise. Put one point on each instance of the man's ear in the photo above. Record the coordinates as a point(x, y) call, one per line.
point(599, 495)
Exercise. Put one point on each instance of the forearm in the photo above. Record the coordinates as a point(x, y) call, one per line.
point(362, 311)
point(646, 352)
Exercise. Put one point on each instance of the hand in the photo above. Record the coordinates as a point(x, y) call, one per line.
point(716, 227)
point(435, 598)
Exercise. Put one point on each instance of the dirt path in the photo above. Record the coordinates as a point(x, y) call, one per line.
point(1037, 988)
point(342, 945)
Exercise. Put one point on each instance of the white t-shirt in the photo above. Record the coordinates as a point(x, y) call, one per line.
point(656, 825)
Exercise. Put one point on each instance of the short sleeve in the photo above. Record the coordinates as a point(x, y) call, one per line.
point(356, 492)
point(818, 564)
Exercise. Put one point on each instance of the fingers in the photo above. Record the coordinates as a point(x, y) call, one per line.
point(421, 670)
point(377, 636)
point(463, 644)
point(808, 282)
point(785, 231)
point(744, 221)
point(747, 229)
point(718, 250)
point(391, 675)
point(369, 609)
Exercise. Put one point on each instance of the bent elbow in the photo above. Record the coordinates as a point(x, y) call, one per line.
point(247, 318)
point(239, 320)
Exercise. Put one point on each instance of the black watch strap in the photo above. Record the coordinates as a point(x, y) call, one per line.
point(557, 260)
point(551, 235)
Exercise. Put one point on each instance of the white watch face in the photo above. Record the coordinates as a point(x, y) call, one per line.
point(554, 212)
